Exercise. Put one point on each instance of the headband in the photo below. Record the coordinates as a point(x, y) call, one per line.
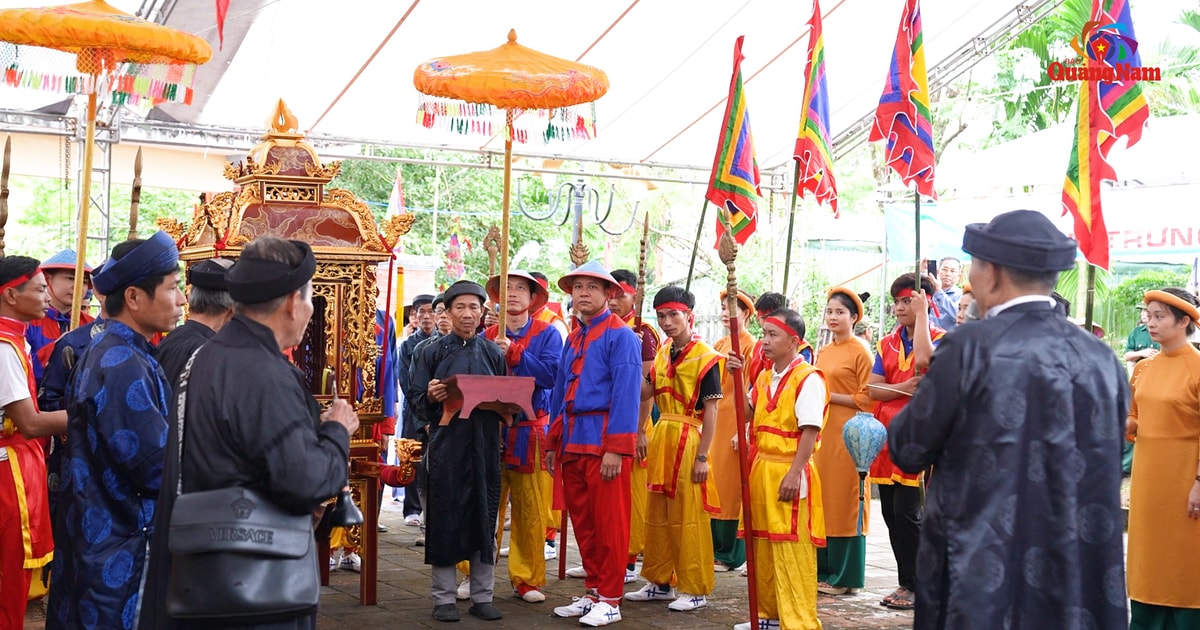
point(627, 287)
point(742, 297)
point(784, 325)
point(19, 280)
point(255, 280)
point(1188, 308)
point(903, 293)
point(207, 274)
point(853, 298)
point(673, 306)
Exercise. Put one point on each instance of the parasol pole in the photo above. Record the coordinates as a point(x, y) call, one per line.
point(696, 244)
point(728, 252)
point(787, 258)
point(85, 202)
point(4, 189)
point(504, 218)
point(1090, 302)
point(135, 197)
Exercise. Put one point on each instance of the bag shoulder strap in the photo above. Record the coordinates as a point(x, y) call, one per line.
point(181, 411)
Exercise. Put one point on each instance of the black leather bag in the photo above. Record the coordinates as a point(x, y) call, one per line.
point(235, 555)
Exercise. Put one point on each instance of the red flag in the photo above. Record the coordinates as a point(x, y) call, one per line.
point(1108, 110)
point(222, 9)
point(812, 142)
point(733, 185)
point(902, 117)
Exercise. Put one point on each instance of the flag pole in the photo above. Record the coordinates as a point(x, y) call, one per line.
point(727, 250)
point(696, 246)
point(787, 258)
point(1090, 302)
point(917, 237)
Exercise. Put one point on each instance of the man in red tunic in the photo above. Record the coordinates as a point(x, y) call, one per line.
point(26, 542)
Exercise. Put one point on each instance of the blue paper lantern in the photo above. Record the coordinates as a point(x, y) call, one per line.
point(864, 437)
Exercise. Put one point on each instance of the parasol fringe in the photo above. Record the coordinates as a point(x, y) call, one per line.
point(129, 84)
point(567, 123)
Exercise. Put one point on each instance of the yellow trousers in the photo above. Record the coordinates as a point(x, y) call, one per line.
point(637, 509)
point(338, 539)
point(679, 540)
point(531, 495)
point(785, 574)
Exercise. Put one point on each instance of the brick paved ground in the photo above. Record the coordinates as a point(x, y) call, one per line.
point(404, 595)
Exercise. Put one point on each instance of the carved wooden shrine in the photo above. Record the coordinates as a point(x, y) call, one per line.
point(281, 190)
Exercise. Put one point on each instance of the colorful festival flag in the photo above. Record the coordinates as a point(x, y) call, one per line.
point(902, 117)
point(812, 141)
point(1107, 111)
point(733, 185)
point(396, 199)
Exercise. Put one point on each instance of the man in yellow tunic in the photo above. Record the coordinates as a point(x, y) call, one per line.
point(685, 382)
point(790, 405)
point(725, 467)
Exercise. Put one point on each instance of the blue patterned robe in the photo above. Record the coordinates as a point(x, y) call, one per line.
point(112, 468)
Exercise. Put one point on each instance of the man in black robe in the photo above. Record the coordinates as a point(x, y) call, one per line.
point(250, 419)
point(462, 458)
point(1021, 416)
point(209, 308)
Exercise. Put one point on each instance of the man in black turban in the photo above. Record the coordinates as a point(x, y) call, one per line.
point(250, 419)
point(462, 459)
point(1021, 416)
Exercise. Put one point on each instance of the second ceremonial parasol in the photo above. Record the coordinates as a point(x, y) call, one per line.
point(514, 79)
point(114, 53)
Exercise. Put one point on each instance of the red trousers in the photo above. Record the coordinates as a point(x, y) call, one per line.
point(600, 515)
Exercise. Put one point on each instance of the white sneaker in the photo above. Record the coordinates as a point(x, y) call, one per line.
point(687, 602)
point(579, 607)
point(352, 562)
point(504, 552)
point(412, 520)
point(551, 552)
point(763, 624)
point(576, 572)
point(464, 589)
point(650, 593)
point(602, 614)
point(630, 576)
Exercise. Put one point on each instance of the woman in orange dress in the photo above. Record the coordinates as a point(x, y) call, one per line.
point(846, 363)
point(729, 551)
point(1164, 503)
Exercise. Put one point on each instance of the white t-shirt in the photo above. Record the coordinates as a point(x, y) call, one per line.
point(809, 409)
point(14, 384)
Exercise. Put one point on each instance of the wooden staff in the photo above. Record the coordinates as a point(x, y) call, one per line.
point(4, 190)
point(727, 250)
point(639, 298)
point(136, 196)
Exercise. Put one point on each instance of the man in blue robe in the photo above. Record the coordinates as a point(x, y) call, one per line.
point(117, 404)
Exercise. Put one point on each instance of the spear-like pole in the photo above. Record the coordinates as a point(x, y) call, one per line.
point(4, 190)
point(639, 299)
point(696, 245)
point(135, 197)
point(787, 258)
point(727, 249)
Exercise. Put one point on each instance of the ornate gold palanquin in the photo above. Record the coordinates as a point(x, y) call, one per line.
point(281, 190)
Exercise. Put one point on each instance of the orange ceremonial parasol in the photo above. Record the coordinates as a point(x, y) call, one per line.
point(113, 53)
point(470, 88)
